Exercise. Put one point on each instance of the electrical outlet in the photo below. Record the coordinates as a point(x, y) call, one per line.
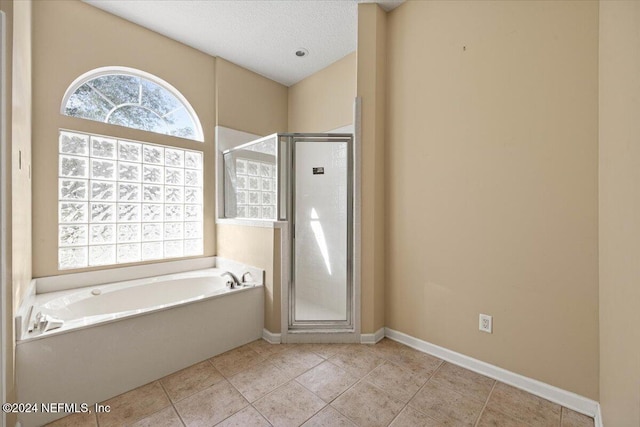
point(486, 323)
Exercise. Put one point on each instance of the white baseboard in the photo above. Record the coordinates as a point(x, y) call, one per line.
point(372, 338)
point(598, 418)
point(565, 398)
point(270, 337)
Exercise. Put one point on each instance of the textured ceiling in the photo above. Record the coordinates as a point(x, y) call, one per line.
point(261, 35)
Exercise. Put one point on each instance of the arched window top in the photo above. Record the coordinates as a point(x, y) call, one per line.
point(132, 98)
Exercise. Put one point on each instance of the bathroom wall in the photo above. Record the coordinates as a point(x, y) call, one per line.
point(492, 183)
point(251, 103)
point(73, 38)
point(256, 246)
point(619, 213)
point(8, 346)
point(324, 100)
point(371, 78)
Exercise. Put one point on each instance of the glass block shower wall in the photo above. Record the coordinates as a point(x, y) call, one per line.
point(124, 201)
point(256, 189)
point(251, 180)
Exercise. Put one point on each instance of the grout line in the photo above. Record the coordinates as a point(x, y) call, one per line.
point(398, 414)
point(315, 413)
point(338, 410)
point(526, 422)
point(486, 402)
point(172, 405)
point(260, 413)
point(240, 410)
point(562, 415)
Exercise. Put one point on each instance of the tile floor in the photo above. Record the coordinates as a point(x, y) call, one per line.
point(331, 385)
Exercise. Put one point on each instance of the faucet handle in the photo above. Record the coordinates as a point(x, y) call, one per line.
point(247, 275)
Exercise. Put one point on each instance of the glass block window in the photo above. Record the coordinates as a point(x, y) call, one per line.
point(255, 189)
point(123, 201)
point(134, 99)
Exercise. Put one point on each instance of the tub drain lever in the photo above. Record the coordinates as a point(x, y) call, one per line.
point(46, 323)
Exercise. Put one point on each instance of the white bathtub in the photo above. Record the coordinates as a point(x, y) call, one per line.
point(132, 333)
point(97, 304)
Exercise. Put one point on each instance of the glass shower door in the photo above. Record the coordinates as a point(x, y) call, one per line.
point(321, 216)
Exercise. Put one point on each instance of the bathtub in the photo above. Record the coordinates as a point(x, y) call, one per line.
point(119, 336)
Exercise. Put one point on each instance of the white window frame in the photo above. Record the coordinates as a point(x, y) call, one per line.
point(104, 71)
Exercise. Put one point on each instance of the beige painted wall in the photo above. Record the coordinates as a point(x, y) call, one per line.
point(620, 213)
point(257, 246)
point(324, 100)
point(492, 175)
point(8, 346)
point(73, 38)
point(371, 78)
point(249, 102)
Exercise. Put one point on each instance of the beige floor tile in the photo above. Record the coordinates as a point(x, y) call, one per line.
point(327, 380)
point(396, 381)
point(409, 417)
point(191, 380)
point(387, 349)
point(134, 405)
point(211, 405)
point(357, 360)
point(249, 416)
point(165, 418)
point(258, 380)
point(445, 405)
point(265, 349)
point(417, 362)
point(325, 350)
point(574, 419)
point(368, 406)
point(328, 417)
point(328, 350)
point(289, 405)
point(295, 361)
point(390, 374)
point(236, 360)
point(524, 406)
point(492, 418)
point(76, 420)
point(464, 381)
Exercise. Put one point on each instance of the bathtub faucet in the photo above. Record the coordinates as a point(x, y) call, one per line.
point(234, 282)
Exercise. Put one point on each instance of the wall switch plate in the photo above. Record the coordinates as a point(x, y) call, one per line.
point(486, 323)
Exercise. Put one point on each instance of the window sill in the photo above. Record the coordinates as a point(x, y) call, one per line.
point(251, 222)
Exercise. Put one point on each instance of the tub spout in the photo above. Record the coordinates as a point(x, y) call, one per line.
point(234, 282)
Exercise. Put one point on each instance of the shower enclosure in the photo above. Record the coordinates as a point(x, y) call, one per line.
point(307, 181)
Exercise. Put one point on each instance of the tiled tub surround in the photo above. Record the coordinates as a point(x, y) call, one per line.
point(261, 384)
point(192, 316)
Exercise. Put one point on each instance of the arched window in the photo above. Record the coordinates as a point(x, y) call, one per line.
point(132, 98)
